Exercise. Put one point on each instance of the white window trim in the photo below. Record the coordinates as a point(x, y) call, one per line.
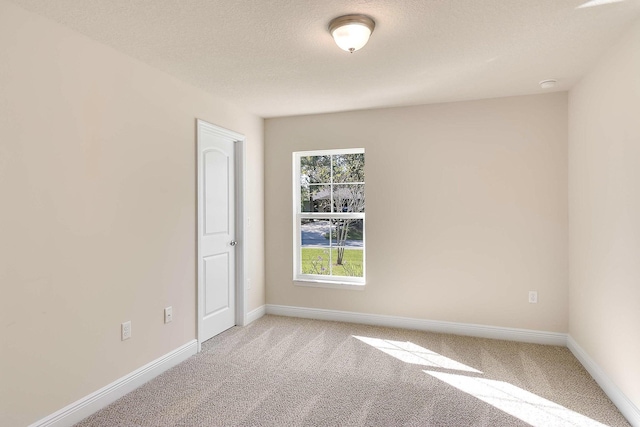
point(316, 280)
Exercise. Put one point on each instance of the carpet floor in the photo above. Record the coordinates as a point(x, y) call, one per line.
point(281, 371)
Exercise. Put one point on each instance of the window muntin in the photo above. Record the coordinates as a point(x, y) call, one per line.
point(329, 212)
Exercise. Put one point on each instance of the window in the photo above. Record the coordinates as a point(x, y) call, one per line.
point(329, 217)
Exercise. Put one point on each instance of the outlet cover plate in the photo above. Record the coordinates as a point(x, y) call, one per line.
point(126, 330)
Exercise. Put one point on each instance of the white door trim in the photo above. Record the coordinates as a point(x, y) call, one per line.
point(240, 216)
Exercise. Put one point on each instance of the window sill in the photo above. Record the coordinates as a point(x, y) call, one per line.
point(308, 283)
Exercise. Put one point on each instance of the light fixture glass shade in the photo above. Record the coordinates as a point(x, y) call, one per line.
point(351, 32)
point(351, 37)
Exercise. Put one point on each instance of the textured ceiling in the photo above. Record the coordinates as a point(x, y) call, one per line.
point(276, 57)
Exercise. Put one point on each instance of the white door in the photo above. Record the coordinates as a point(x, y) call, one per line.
point(216, 231)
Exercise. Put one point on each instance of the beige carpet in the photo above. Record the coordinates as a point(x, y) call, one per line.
point(282, 371)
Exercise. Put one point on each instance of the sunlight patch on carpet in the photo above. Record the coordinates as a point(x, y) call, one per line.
point(513, 400)
point(528, 407)
point(412, 353)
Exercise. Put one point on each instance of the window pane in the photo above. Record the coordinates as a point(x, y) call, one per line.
point(315, 169)
point(347, 244)
point(321, 195)
point(347, 262)
point(315, 232)
point(347, 232)
point(315, 260)
point(315, 198)
point(348, 168)
point(348, 197)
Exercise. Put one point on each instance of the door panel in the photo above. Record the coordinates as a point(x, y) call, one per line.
point(216, 192)
point(216, 277)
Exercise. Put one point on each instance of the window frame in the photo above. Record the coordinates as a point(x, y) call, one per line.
point(317, 280)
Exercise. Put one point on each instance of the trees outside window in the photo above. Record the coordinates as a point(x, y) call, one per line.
point(329, 212)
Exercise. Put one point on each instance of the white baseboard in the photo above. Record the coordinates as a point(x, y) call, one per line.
point(254, 315)
point(626, 407)
point(86, 406)
point(481, 331)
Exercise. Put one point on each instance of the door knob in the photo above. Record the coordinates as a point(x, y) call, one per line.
point(233, 243)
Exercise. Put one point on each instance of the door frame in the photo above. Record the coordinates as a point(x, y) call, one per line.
point(239, 148)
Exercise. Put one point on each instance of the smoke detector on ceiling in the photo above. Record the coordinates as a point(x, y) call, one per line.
point(548, 84)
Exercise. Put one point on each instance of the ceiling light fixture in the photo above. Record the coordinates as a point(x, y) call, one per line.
point(351, 32)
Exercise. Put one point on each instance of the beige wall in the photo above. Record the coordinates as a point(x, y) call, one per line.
point(466, 210)
point(604, 208)
point(97, 217)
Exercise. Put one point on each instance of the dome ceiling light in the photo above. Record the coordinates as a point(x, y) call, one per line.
point(351, 32)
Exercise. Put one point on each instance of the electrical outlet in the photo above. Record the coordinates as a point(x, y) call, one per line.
point(533, 297)
point(168, 314)
point(126, 330)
